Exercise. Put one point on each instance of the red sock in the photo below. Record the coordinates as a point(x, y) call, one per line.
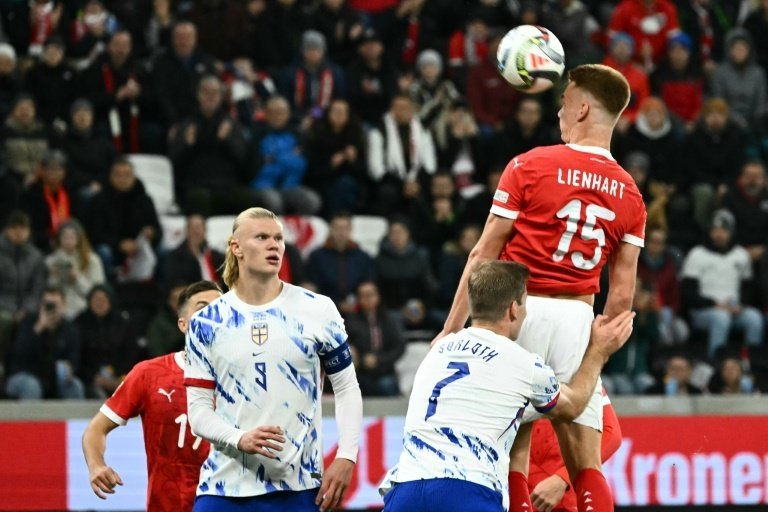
point(592, 491)
point(519, 495)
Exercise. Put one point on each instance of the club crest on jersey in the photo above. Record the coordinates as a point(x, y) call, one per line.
point(260, 333)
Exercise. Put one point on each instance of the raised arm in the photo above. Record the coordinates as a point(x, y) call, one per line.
point(103, 478)
point(496, 232)
point(622, 275)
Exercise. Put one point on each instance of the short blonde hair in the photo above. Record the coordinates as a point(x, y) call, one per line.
point(231, 272)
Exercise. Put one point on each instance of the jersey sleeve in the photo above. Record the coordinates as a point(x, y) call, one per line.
point(199, 370)
point(509, 199)
point(333, 348)
point(128, 399)
point(635, 233)
point(545, 388)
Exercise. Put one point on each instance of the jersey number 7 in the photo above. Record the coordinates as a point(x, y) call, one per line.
point(462, 370)
point(572, 212)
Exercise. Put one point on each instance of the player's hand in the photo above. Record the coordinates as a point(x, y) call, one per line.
point(103, 481)
point(548, 493)
point(608, 337)
point(259, 441)
point(335, 482)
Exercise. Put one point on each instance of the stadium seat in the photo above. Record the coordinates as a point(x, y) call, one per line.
point(406, 366)
point(174, 227)
point(367, 231)
point(156, 174)
point(218, 229)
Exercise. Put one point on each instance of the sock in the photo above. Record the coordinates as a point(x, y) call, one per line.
point(519, 496)
point(592, 492)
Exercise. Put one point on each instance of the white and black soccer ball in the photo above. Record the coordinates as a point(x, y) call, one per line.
point(531, 58)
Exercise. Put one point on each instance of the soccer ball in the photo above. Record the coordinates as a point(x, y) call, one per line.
point(530, 58)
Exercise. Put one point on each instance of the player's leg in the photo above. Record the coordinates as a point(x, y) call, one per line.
point(519, 457)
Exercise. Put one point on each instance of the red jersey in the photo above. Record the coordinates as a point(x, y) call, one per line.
point(572, 206)
point(546, 460)
point(652, 25)
point(154, 389)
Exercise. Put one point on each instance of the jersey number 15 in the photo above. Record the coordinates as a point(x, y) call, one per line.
point(572, 213)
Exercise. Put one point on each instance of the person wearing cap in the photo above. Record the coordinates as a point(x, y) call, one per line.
point(740, 81)
point(311, 83)
point(52, 81)
point(679, 81)
point(10, 86)
point(432, 93)
point(619, 57)
point(717, 286)
point(372, 80)
point(341, 26)
point(48, 201)
point(24, 139)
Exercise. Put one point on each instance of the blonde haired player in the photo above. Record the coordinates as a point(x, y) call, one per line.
point(253, 377)
point(565, 211)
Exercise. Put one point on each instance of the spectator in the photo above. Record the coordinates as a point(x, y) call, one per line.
point(400, 152)
point(249, 91)
point(376, 342)
point(52, 82)
point(679, 82)
point(91, 31)
point(209, 139)
point(89, 151)
point(467, 46)
point(459, 149)
point(436, 219)
point(340, 265)
point(757, 26)
point(711, 158)
point(163, 335)
point(341, 26)
point(9, 81)
point(48, 201)
point(402, 268)
point(707, 23)
point(289, 18)
point(193, 260)
point(740, 81)
point(124, 225)
point(627, 372)
point(280, 164)
point(177, 72)
point(45, 356)
point(748, 202)
point(676, 380)
point(29, 24)
point(22, 277)
point(260, 34)
point(371, 80)
point(525, 131)
point(292, 269)
point(311, 83)
point(210, 17)
point(622, 47)
point(717, 286)
point(157, 34)
point(479, 206)
point(121, 95)
point(650, 23)
point(24, 139)
point(74, 268)
point(453, 259)
point(432, 94)
point(730, 379)
point(336, 159)
point(109, 348)
point(576, 29)
point(658, 267)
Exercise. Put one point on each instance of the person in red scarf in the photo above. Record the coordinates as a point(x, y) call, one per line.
point(193, 260)
point(47, 201)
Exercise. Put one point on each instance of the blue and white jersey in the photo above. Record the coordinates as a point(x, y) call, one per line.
point(263, 363)
point(468, 398)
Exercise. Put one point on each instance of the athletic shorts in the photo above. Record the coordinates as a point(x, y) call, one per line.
point(278, 501)
point(558, 330)
point(442, 495)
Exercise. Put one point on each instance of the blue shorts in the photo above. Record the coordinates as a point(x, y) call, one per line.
point(442, 495)
point(278, 501)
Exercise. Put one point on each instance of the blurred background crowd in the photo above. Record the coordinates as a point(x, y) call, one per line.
point(336, 109)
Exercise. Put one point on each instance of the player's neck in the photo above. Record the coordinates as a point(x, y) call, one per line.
point(258, 290)
point(500, 328)
point(596, 136)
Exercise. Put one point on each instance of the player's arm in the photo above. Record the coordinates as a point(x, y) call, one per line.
point(103, 478)
point(622, 275)
point(607, 337)
point(495, 234)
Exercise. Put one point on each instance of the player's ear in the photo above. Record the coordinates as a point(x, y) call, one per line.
point(583, 111)
point(513, 311)
point(182, 325)
point(234, 246)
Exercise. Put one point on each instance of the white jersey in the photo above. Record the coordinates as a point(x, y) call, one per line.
point(468, 398)
point(263, 363)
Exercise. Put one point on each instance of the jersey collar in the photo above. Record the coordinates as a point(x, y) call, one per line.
point(592, 149)
point(179, 358)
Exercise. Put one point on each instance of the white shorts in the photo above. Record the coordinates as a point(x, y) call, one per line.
point(558, 330)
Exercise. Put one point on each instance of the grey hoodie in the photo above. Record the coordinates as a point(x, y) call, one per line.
point(743, 87)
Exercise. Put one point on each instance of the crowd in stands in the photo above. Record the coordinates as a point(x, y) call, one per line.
point(339, 108)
